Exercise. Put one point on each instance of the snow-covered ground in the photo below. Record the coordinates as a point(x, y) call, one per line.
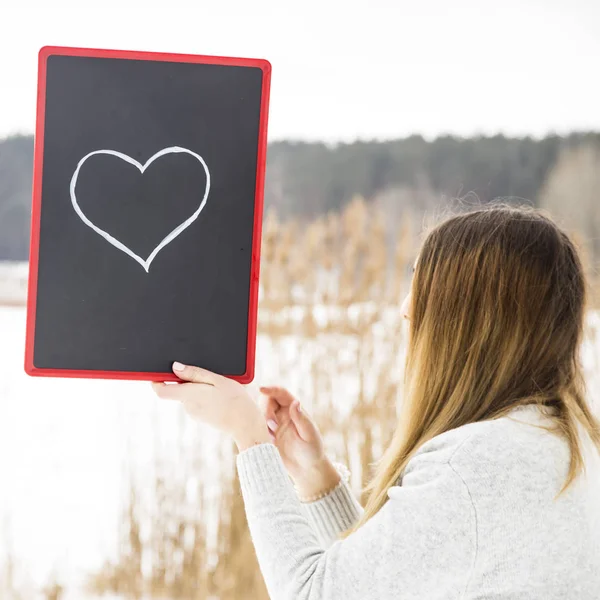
point(13, 283)
point(65, 445)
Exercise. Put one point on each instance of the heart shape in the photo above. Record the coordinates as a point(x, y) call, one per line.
point(169, 237)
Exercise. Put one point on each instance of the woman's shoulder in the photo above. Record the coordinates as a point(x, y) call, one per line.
point(515, 440)
point(489, 459)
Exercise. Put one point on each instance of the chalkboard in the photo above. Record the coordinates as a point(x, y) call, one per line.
point(147, 210)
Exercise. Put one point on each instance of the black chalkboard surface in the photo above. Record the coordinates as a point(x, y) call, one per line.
point(147, 208)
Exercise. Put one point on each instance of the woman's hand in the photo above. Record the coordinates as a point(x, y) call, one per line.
point(218, 401)
point(299, 442)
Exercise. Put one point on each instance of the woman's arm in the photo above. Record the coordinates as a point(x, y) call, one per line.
point(420, 543)
point(322, 486)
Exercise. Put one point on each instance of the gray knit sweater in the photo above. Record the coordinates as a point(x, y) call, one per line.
point(475, 518)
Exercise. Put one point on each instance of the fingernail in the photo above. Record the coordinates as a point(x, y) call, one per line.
point(177, 366)
point(298, 407)
point(272, 425)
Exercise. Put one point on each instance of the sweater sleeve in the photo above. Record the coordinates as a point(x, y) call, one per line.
point(420, 544)
point(334, 513)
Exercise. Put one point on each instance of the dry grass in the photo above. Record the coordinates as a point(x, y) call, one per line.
point(330, 329)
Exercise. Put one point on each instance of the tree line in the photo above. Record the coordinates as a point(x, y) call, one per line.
point(306, 179)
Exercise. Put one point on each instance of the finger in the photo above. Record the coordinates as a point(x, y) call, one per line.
point(268, 406)
point(194, 374)
point(168, 391)
point(281, 395)
point(304, 426)
point(271, 416)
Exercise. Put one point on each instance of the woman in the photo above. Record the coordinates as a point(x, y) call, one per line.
point(482, 493)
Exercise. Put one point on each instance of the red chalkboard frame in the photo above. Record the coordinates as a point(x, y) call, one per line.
point(48, 51)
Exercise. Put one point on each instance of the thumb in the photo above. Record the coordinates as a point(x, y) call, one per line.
point(307, 430)
point(194, 374)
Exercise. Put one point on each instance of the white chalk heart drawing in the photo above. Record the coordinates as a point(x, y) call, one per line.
point(167, 239)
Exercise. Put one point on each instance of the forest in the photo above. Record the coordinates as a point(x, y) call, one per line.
point(308, 179)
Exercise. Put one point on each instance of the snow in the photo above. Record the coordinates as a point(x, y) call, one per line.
point(65, 447)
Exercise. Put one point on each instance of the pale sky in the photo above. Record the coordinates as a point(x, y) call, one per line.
point(346, 69)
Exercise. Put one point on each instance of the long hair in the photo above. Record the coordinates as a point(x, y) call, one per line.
point(498, 301)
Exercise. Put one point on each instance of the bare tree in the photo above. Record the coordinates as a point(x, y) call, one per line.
point(572, 194)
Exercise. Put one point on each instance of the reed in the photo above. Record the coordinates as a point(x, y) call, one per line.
point(330, 330)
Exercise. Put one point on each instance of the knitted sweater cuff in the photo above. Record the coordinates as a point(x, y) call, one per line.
point(264, 480)
point(334, 513)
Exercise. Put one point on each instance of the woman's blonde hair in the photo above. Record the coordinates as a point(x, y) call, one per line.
point(497, 315)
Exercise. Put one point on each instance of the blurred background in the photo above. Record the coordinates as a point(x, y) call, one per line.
point(382, 114)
